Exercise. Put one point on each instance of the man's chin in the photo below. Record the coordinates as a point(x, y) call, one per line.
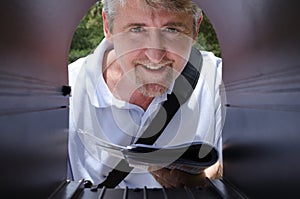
point(152, 90)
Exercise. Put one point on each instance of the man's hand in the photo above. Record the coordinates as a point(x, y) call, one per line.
point(215, 171)
point(171, 178)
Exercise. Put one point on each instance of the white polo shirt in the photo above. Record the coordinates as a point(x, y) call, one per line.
point(95, 111)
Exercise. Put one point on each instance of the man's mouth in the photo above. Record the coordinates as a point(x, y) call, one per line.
point(153, 67)
point(156, 67)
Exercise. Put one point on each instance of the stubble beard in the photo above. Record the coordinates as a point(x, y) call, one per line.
point(156, 86)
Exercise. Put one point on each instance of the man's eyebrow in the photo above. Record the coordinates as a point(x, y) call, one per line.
point(134, 25)
point(176, 24)
point(173, 24)
point(168, 24)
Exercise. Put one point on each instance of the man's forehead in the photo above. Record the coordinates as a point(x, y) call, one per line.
point(155, 6)
point(140, 7)
point(141, 13)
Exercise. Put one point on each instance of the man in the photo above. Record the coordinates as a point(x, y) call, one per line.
point(117, 90)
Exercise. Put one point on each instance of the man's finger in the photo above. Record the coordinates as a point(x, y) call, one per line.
point(161, 181)
point(189, 180)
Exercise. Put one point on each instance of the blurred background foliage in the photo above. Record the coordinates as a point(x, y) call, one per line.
point(89, 34)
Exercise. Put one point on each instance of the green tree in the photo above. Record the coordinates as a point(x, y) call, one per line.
point(207, 38)
point(89, 33)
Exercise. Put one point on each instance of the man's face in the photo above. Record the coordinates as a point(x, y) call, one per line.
point(152, 45)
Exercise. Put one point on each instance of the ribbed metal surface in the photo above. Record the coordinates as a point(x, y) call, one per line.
point(149, 193)
point(215, 189)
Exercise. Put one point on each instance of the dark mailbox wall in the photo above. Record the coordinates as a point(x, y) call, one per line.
point(260, 46)
point(34, 42)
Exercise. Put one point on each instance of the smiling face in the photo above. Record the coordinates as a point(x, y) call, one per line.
point(152, 44)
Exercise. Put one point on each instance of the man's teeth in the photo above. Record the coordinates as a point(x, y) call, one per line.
point(154, 67)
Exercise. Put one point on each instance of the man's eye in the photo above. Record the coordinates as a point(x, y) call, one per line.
point(171, 30)
point(136, 29)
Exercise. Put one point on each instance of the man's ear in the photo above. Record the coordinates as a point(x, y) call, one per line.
point(106, 30)
point(198, 27)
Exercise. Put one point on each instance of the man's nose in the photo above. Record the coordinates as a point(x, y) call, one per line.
point(155, 55)
point(155, 49)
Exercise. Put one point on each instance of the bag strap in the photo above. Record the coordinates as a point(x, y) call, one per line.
point(182, 90)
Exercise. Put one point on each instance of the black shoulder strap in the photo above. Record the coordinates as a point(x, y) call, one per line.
point(182, 90)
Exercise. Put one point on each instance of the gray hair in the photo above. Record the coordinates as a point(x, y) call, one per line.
point(110, 6)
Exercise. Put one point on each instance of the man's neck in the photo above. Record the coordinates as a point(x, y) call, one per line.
point(117, 84)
